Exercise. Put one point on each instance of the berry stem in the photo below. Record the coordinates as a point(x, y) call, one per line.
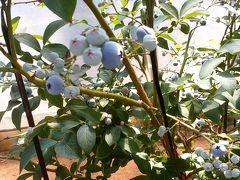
point(185, 58)
point(5, 69)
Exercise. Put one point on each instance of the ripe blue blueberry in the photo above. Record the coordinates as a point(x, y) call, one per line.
point(58, 65)
point(235, 172)
point(40, 63)
point(218, 149)
point(173, 77)
point(40, 73)
point(216, 163)
point(161, 131)
point(92, 56)
point(29, 67)
point(149, 42)
point(208, 167)
point(143, 31)
point(71, 92)
point(78, 45)
point(228, 174)
point(112, 54)
point(223, 167)
point(235, 159)
point(28, 91)
point(54, 85)
point(51, 56)
point(204, 154)
point(50, 73)
point(203, 22)
point(91, 102)
point(198, 151)
point(96, 36)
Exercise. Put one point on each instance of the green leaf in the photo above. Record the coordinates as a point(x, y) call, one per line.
point(91, 117)
point(27, 57)
point(168, 37)
point(18, 111)
point(128, 131)
point(188, 4)
point(86, 138)
point(17, 116)
point(64, 9)
point(60, 49)
point(142, 177)
point(107, 75)
point(195, 13)
point(112, 135)
point(204, 84)
point(55, 100)
point(68, 148)
point(162, 43)
point(82, 21)
point(124, 2)
point(211, 110)
point(184, 27)
point(187, 110)
point(128, 145)
point(2, 114)
point(11, 104)
point(74, 167)
point(143, 165)
point(139, 113)
point(103, 150)
point(227, 81)
point(28, 40)
point(135, 7)
point(177, 165)
point(29, 151)
point(208, 67)
point(52, 28)
point(231, 46)
point(69, 124)
point(15, 22)
point(148, 87)
point(235, 99)
point(34, 102)
point(158, 21)
point(25, 176)
point(62, 172)
point(170, 9)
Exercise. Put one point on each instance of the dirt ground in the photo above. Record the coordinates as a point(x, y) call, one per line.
point(9, 170)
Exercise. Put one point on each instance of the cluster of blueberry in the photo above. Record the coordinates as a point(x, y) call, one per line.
point(95, 47)
point(214, 162)
point(146, 36)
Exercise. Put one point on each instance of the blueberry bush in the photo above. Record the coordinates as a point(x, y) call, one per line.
point(131, 108)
